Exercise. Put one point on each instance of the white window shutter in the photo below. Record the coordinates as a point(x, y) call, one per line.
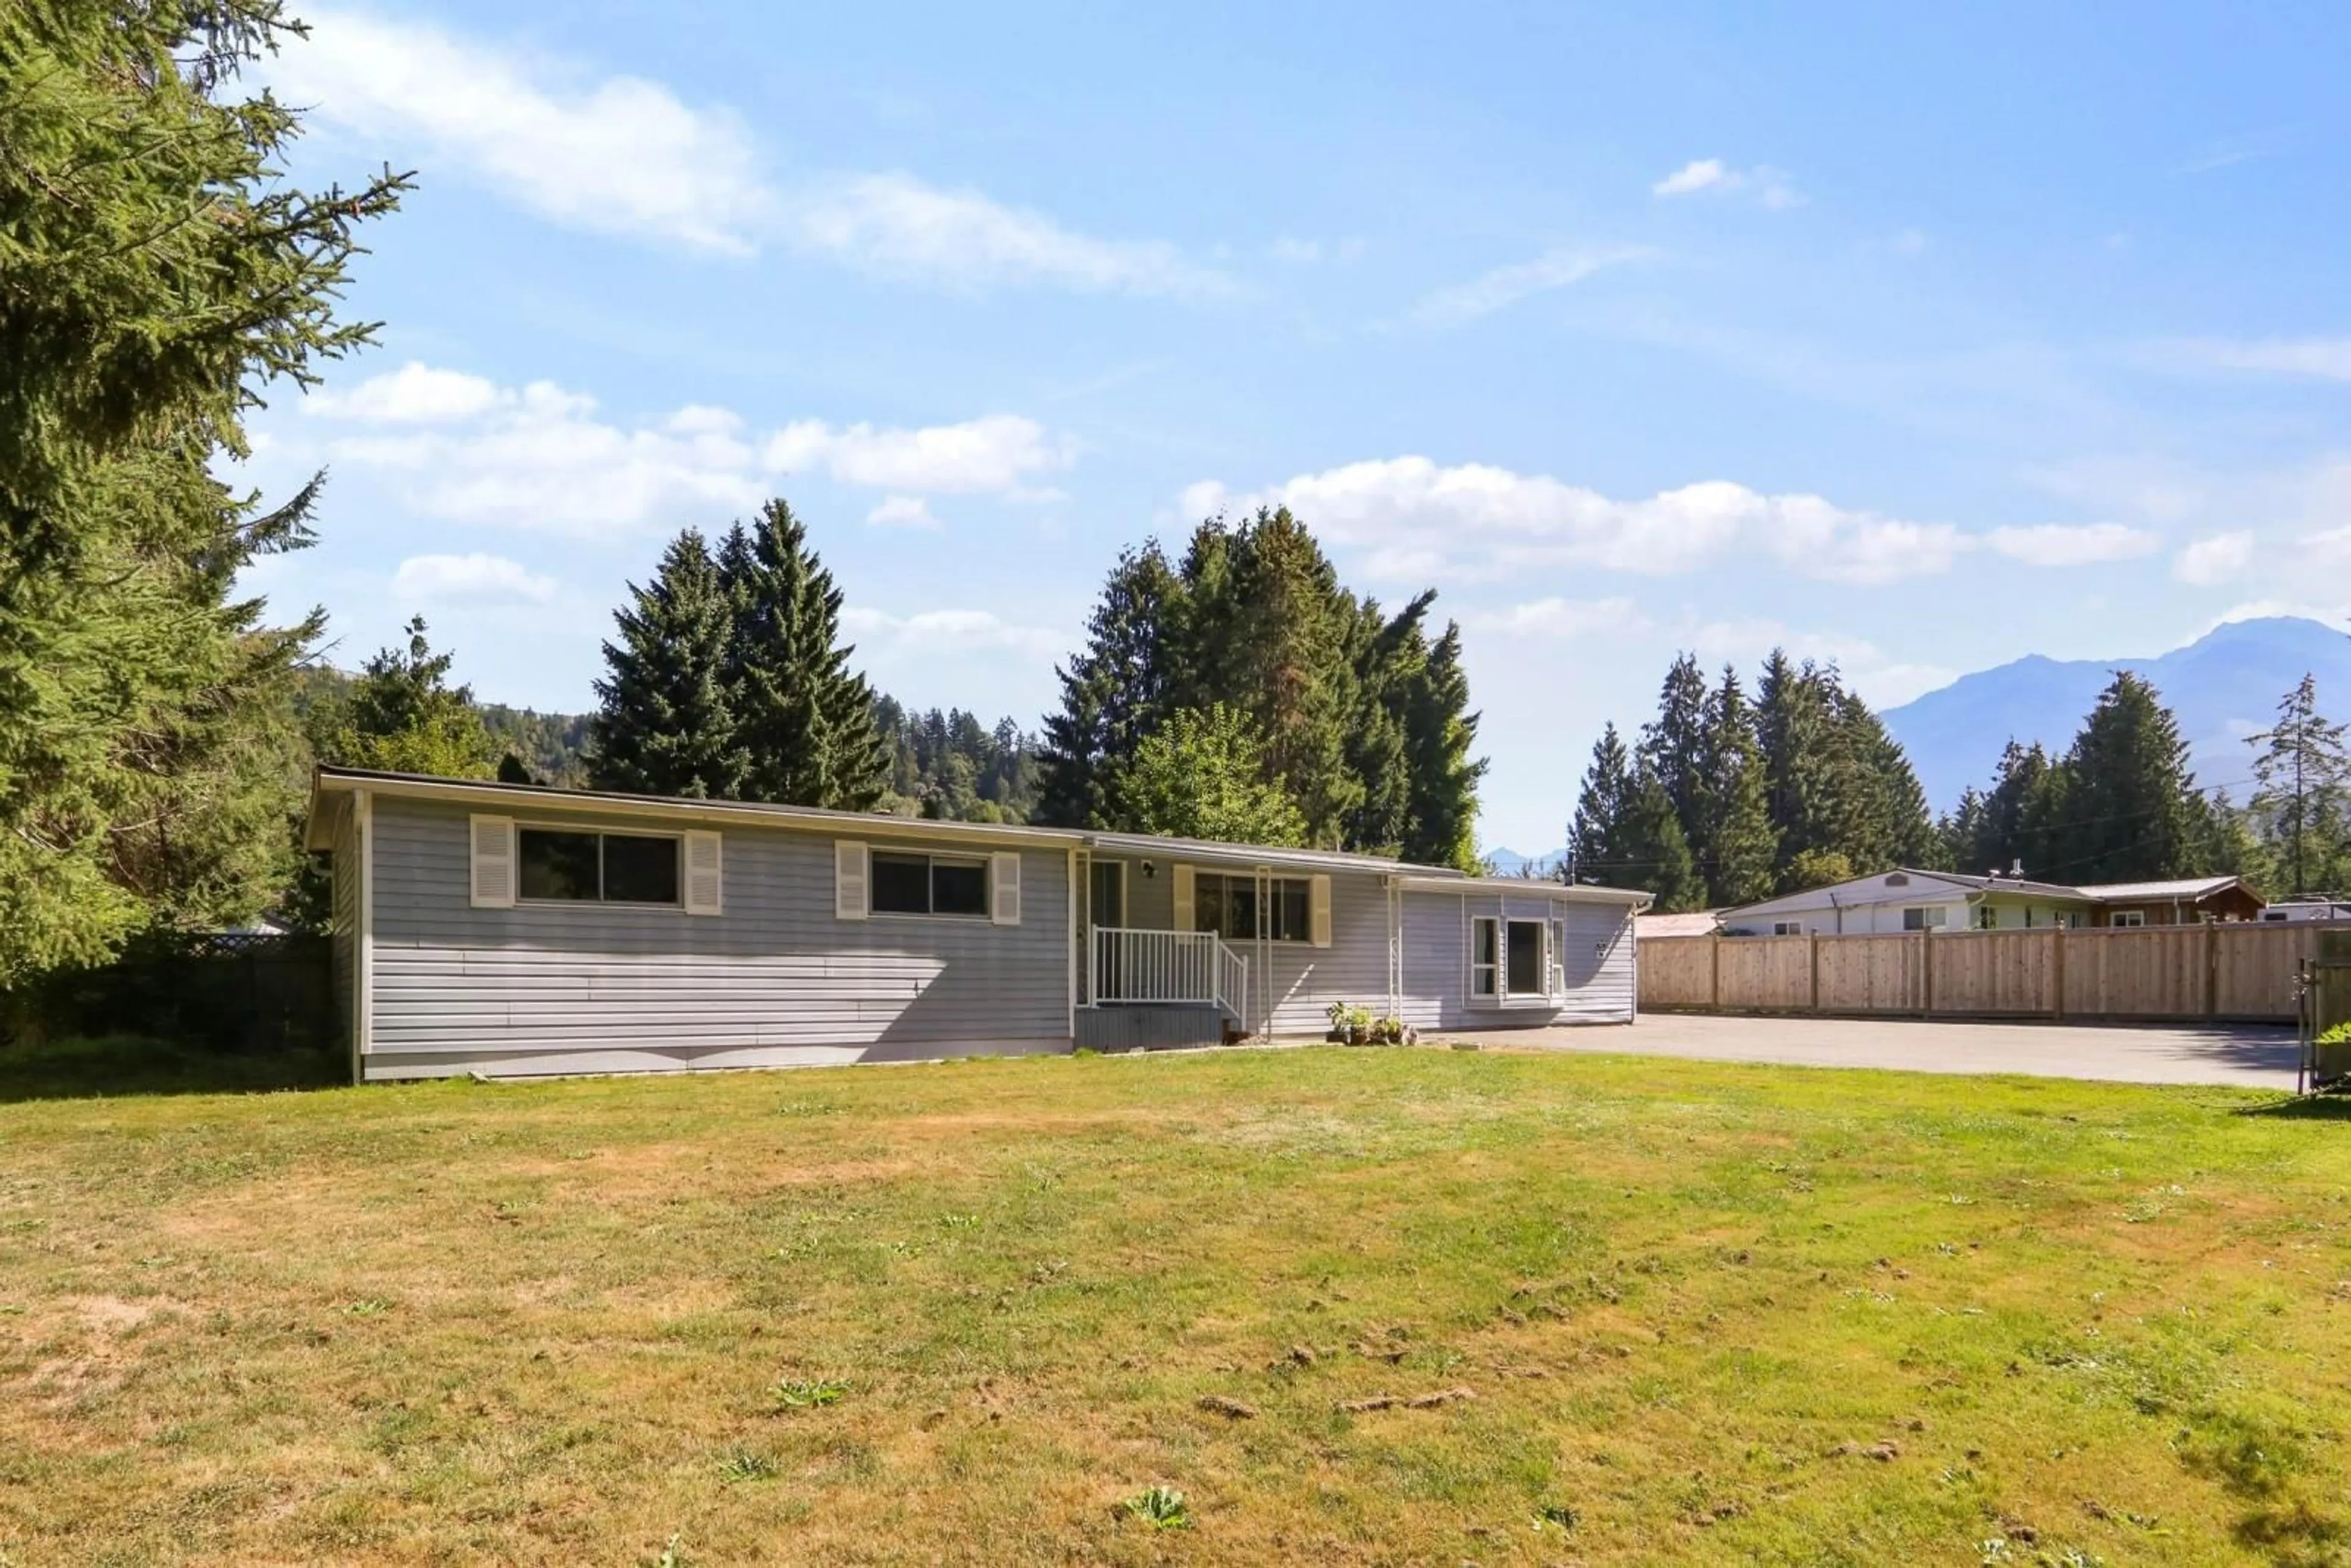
point(1004, 888)
point(1183, 875)
point(852, 874)
point(1318, 911)
point(705, 862)
point(493, 858)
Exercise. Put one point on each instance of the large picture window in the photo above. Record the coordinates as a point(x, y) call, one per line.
point(1228, 906)
point(566, 866)
point(929, 885)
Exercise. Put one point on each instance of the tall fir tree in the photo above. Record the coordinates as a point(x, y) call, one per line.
point(2020, 818)
point(1674, 743)
point(1656, 854)
point(665, 720)
point(1604, 806)
point(1740, 844)
point(2301, 775)
point(160, 269)
point(2131, 808)
point(1440, 729)
point(1113, 692)
point(803, 718)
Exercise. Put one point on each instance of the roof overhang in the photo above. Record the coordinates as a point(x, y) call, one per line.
point(329, 786)
point(1209, 851)
point(1527, 887)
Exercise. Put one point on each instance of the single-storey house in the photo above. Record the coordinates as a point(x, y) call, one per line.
point(2185, 901)
point(517, 930)
point(1910, 900)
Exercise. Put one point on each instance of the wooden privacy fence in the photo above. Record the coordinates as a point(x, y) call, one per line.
point(2235, 972)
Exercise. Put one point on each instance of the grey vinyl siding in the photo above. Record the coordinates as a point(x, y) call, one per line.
point(343, 921)
point(775, 980)
point(1597, 961)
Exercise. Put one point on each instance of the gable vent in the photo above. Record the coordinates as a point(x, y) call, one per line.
point(1898, 880)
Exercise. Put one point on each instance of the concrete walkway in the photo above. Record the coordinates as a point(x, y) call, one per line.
point(2239, 1057)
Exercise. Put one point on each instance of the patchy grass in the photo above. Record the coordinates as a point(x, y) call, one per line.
point(1325, 1306)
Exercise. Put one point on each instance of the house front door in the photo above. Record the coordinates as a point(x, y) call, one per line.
point(1106, 910)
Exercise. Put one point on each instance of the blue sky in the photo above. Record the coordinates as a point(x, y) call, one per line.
point(1918, 342)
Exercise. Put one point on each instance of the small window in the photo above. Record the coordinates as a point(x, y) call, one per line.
point(1485, 955)
point(2273, 915)
point(929, 885)
point(2129, 917)
point(1228, 905)
point(563, 866)
point(1787, 928)
point(1930, 918)
point(1987, 917)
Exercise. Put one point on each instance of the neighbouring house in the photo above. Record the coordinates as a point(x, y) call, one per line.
point(516, 930)
point(2306, 909)
point(1695, 922)
point(1909, 900)
point(2185, 901)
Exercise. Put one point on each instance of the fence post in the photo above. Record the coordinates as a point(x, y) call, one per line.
point(1714, 973)
point(2057, 971)
point(2211, 970)
point(1813, 959)
point(1926, 971)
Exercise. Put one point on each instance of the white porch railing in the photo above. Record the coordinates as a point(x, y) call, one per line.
point(1133, 965)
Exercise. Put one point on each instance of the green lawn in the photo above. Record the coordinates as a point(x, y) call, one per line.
point(1702, 1314)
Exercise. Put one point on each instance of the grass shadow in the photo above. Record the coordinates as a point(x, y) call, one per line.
point(2334, 1105)
point(129, 1064)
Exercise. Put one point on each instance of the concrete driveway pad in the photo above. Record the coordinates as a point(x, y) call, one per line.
point(2246, 1057)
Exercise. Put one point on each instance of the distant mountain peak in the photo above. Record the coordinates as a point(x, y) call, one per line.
point(2222, 686)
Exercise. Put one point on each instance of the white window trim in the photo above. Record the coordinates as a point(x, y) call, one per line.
point(537, 825)
point(988, 875)
point(1787, 928)
point(1553, 966)
point(2128, 919)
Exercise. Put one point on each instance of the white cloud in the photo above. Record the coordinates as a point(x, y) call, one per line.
point(622, 155)
point(998, 453)
point(476, 579)
point(413, 394)
point(2322, 359)
point(1881, 681)
point(619, 156)
point(1565, 618)
point(540, 458)
point(902, 512)
point(898, 226)
point(933, 631)
point(1506, 285)
point(1771, 186)
point(2209, 561)
point(2059, 544)
point(1412, 519)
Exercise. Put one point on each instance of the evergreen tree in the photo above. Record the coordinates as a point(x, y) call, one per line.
point(803, 718)
point(1201, 774)
point(2019, 820)
point(1734, 811)
point(1114, 693)
point(665, 724)
point(1439, 730)
point(157, 271)
point(2131, 808)
point(402, 716)
point(1674, 743)
point(1283, 664)
point(2301, 773)
point(1596, 842)
point(1656, 855)
point(1839, 789)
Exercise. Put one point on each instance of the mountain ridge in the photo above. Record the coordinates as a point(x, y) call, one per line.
point(2223, 687)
